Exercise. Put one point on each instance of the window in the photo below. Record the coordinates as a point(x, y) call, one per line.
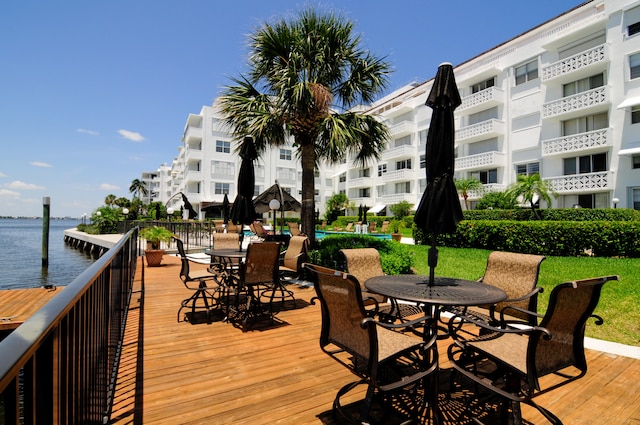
point(222, 168)
point(285, 154)
point(635, 161)
point(382, 168)
point(634, 66)
point(593, 200)
point(423, 161)
point(364, 192)
point(485, 177)
point(526, 72)
point(635, 114)
point(405, 163)
point(404, 187)
point(583, 85)
point(343, 178)
point(483, 85)
point(584, 124)
point(528, 169)
point(364, 172)
point(635, 195)
point(222, 188)
point(633, 29)
point(223, 147)
point(422, 136)
point(585, 164)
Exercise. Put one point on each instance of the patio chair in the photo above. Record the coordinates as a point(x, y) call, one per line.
point(511, 361)
point(292, 259)
point(258, 274)
point(258, 229)
point(385, 360)
point(198, 284)
point(384, 226)
point(364, 263)
point(294, 228)
point(517, 275)
point(372, 227)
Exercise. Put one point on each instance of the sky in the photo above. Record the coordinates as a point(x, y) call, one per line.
point(93, 93)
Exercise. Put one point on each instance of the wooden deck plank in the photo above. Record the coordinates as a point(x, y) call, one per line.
point(17, 305)
point(216, 374)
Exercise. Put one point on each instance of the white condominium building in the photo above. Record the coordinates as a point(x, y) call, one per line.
point(562, 100)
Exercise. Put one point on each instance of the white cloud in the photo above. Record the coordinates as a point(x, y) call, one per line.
point(23, 186)
point(3, 174)
point(8, 193)
point(131, 135)
point(40, 164)
point(91, 132)
point(108, 186)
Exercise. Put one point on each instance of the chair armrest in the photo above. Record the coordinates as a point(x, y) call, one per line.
point(454, 324)
point(531, 314)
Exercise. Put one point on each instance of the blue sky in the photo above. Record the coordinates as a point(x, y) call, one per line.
point(93, 93)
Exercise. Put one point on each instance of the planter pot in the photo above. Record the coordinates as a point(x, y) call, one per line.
point(154, 257)
point(396, 236)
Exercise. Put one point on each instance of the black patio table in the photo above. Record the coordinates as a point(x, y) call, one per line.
point(445, 291)
point(228, 259)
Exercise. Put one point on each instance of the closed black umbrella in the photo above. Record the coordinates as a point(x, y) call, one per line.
point(192, 213)
point(243, 211)
point(225, 209)
point(439, 210)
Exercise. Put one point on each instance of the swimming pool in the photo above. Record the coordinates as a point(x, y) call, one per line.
point(322, 233)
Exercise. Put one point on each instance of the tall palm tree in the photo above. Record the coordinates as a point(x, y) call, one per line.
point(110, 200)
point(464, 186)
point(305, 76)
point(531, 189)
point(138, 188)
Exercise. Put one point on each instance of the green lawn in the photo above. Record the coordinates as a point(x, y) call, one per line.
point(619, 304)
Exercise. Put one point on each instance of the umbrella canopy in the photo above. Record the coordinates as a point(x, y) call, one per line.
point(243, 211)
point(225, 209)
point(192, 213)
point(439, 210)
point(287, 202)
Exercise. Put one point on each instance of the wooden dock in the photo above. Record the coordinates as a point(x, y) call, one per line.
point(17, 305)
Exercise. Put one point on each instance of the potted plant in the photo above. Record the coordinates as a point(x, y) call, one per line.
point(154, 235)
point(395, 227)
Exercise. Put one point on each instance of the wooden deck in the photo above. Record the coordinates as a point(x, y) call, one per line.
point(17, 305)
point(183, 373)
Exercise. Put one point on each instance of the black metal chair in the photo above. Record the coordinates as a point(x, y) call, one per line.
point(387, 361)
point(510, 361)
point(203, 297)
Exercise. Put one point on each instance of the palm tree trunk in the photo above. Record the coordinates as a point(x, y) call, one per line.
point(308, 189)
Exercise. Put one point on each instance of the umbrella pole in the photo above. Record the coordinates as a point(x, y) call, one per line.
point(432, 259)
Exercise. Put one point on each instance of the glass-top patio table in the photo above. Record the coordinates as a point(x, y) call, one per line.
point(445, 291)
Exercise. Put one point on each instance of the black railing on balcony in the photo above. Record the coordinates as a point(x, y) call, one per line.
point(61, 364)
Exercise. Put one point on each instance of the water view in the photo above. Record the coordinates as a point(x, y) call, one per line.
point(21, 254)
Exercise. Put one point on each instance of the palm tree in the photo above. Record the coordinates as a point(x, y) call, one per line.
point(110, 200)
point(305, 76)
point(138, 188)
point(531, 189)
point(464, 186)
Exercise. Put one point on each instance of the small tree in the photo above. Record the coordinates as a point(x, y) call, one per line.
point(496, 200)
point(464, 186)
point(335, 205)
point(401, 209)
point(531, 189)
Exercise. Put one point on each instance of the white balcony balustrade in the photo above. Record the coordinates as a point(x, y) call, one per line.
point(481, 160)
point(587, 182)
point(402, 151)
point(481, 130)
point(576, 64)
point(581, 142)
point(484, 99)
point(578, 103)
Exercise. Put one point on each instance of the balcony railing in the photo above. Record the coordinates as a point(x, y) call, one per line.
point(577, 103)
point(402, 128)
point(582, 182)
point(577, 142)
point(486, 188)
point(395, 198)
point(481, 160)
point(398, 175)
point(480, 130)
point(483, 99)
point(401, 151)
point(61, 364)
point(578, 62)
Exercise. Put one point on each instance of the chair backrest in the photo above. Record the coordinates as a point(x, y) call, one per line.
point(372, 226)
point(261, 264)
point(384, 226)
point(342, 314)
point(292, 256)
point(517, 275)
point(571, 304)
point(226, 241)
point(294, 228)
point(349, 226)
point(362, 263)
point(258, 229)
point(184, 269)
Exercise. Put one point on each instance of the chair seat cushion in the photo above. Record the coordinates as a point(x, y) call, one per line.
point(391, 343)
point(510, 348)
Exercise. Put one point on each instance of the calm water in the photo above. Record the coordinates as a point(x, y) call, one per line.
point(21, 254)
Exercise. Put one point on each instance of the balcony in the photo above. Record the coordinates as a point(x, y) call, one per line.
point(394, 198)
point(576, 105)
point(581, 142)
point(576, 66)
point(576, 183)
point(485, 99)
point(403, 128)
point(480, 161)
point(479, 131)
point(193, 176)
point(360, 182)
point(398, 175)
point(192, 134)
point(403, 151)
point(486, 188)
point(193, 154)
